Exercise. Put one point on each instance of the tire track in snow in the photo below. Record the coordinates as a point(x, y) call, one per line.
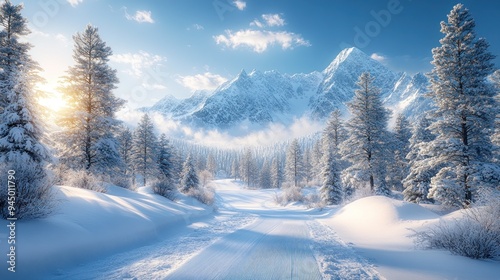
point(336, 260)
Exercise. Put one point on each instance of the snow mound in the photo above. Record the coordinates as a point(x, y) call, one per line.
point(380, 210)
point(385, 221)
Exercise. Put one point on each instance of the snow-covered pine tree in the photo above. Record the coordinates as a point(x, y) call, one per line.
point(465, 113)
point(333, 136)
point(144, 149)
point(235, 169)
point(307, 166)
point(125, 147)
point(265, 181)
point(166, 161)
point(248, 168)
point(417, 183)
point(400, 146)
point(88, 121)
point(317, 160)
point(495, 139)
point(21, 130)
point(334, 133)
point(189, 179)
point(366, 146)
point(294, 167)
point(276, 173)
point(212, 164)
point(331, 191)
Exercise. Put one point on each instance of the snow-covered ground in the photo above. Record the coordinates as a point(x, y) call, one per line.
point(127, 235)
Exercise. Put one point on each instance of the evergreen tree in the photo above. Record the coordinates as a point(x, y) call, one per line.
point(417, 183)
point(495, 139)
point(211, 164)
point(21, 130)
point(125, 147)
point(366, 147)
point(333, 136)
point(144, 149)
point(307, 166)
point(331, 191)
point(89, 121)
point(166, 162)
point(265, 181)
point(294, 168)
point(189, 180)
point(399, 168)
point(465, 112)
point(235, 170)
point(334, 133)
point(317, 160)
point(248, 168)
point(276, 173)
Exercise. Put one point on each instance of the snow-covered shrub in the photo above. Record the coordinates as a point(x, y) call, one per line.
point(164, 189)
point(476, 235)
point(84, 180)
point(59, 172)
point(204, 195)
point(313, 200)
point(289, 193)
point(205, 177)
point(355, 194)
point(122, 181)
point(33, 193)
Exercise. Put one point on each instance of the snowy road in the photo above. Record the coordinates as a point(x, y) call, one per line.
point(250, 238)
point(268, 249)
point(278, 245)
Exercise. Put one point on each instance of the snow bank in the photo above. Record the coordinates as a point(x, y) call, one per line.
point(379, 227)
point(377, 220)
point(88, 225)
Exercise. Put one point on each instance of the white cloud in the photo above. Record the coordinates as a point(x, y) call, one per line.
point(205, 81)
point(378, 57)
point(140, 16)
point(196, 27)
point(74, 3)
point(267, 136)
point(260, 137)
point(240, 5)
point(138, 62)
point(269, 20)
point(257, 23)
point(260, 40)
point(273, 20)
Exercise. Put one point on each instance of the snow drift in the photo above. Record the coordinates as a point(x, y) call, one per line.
point(88, 225)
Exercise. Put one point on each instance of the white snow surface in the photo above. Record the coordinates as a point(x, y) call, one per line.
point(139, 235)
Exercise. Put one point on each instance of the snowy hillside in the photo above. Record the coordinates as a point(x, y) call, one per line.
point(87, 225)
point(271, 97)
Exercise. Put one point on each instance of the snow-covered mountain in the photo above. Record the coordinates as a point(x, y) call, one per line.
point(264, 97)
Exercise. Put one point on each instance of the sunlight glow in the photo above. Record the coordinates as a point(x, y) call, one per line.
point(52, 100)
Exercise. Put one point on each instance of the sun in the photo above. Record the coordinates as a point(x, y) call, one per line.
point(53, 100)
point(54, 103)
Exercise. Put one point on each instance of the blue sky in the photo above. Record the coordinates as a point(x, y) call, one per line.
point(177, 46)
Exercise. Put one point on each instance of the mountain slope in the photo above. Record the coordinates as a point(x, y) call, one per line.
point(260, 98)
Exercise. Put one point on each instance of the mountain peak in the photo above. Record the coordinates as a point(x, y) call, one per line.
point(242, 74)
point(348, 54)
